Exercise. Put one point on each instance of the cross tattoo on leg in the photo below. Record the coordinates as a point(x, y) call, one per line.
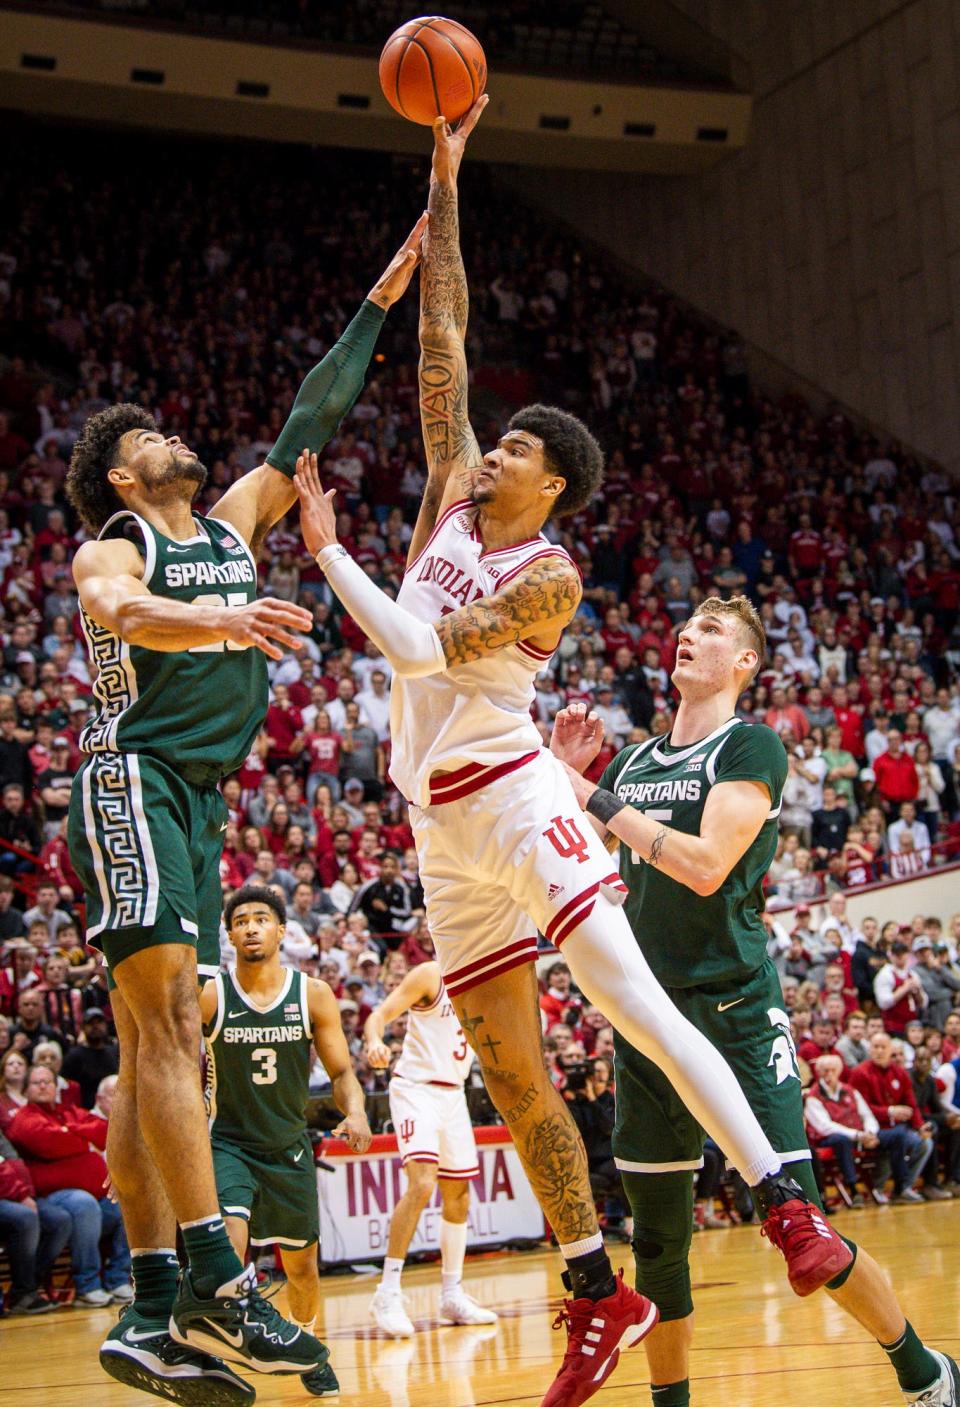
point(470, 1024)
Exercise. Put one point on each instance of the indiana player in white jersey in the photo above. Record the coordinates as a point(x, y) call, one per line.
point(504, 847)
point(428, 1108)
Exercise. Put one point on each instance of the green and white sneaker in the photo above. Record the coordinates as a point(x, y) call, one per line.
point(322, 1382)
point(238, 1324)
point(140, 1353)
point(945, 1392)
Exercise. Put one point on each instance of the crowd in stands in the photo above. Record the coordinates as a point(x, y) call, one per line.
point(220, 287)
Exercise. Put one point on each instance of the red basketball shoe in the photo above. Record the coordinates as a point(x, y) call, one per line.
point(813, 1251)
point(596, 1332)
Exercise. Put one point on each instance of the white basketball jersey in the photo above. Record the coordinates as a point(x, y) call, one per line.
point(435, 1050)
point(474, 717)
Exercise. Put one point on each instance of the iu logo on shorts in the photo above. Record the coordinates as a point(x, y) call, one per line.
point(406, 1129)
point(567, 839)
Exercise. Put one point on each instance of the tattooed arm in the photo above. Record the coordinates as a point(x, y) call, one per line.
point(535, 606)
point(451, 448)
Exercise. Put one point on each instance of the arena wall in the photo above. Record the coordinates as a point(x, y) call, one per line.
point(832, 241)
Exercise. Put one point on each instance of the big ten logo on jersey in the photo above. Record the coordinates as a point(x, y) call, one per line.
point(783, 1053)
point(235, 548)
point(567, 839)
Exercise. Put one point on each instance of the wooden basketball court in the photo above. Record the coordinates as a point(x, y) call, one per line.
point(756, 1342)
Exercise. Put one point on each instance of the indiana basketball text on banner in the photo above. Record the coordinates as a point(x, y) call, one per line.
point(357, 1199)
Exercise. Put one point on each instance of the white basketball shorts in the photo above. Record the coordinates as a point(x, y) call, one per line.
point(433, 1125)
point(499, 863)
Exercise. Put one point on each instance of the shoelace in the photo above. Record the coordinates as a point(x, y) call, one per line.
point(576, 1321)
point(801, 1233)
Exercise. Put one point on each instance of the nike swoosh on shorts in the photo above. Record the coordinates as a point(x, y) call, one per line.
point(725, 1006)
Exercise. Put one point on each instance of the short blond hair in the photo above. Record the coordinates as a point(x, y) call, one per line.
point(751, 631)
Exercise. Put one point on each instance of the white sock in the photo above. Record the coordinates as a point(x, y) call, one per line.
point(582, 1248)
point(613, 974)
point(392, 1270)
point(453, 1244)
point(307, 1325)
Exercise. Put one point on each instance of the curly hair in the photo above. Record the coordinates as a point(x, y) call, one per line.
point(569, 449)
point(97, 451)
point(253, 894)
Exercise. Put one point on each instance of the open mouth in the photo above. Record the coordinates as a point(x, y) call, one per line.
point(684, 656)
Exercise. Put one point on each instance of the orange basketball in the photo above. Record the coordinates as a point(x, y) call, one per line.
point(432, 67)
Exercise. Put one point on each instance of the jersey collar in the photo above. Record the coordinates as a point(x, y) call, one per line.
point(668, 759)
point(244, 997)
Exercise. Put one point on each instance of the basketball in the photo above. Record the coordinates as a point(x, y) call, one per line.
point(432, 67)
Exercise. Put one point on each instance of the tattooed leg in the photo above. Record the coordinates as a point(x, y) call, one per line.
point(502, 1022)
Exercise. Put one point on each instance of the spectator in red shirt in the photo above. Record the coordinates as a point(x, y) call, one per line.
point(896, 773)
point(849, 721)
point(903, 1135)
point(819, 1042)
point(323, 748)
point(33, 1232)
point(49, 1053)
point(283, 722)
point(558, 999)
point(785, 717)
point(805, 552)
point(55, 1144)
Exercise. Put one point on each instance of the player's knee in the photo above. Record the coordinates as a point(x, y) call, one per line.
point(662, 1206)
point(421, 1180)
point(663, 1270)
point(456, 1196)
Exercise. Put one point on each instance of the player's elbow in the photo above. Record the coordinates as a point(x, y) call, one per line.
point(707, 880)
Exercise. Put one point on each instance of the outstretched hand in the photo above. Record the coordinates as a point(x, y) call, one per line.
point(318, 522)
point(577, 736)
point(449, 142)
point(395, 279)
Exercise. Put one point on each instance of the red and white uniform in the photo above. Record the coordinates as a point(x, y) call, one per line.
point(427, 1101)
point(504, 848)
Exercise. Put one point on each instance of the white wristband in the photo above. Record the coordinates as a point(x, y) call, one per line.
point(329, 554)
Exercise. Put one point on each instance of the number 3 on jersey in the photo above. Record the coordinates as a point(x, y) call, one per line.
point(267, 1058)
point(666, 814)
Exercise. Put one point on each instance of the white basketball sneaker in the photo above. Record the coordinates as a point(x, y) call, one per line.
point(388, 1312)
point(945, 1392)
point(457, 1307)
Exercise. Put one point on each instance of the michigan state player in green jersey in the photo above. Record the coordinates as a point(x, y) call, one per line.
point(695, 818)
point(180, 642)
point(260, 1022)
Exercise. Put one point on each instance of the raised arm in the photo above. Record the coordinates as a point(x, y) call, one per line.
point(450, 445)
point(260, 498)
point(109, 578)
point(420, 984)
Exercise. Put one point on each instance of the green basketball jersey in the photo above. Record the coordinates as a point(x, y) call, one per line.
point(258, 1065)
point(689, 939)
point(198, 710)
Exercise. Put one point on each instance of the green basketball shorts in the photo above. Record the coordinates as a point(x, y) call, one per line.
point(655, 1133)
point(275, 1192)
point(147, 845)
